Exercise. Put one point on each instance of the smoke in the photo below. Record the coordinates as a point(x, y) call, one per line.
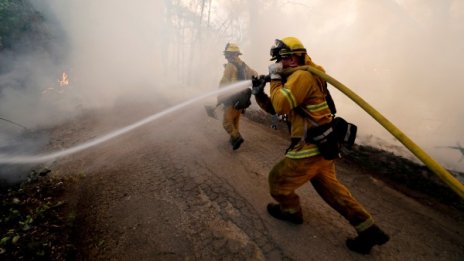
point(115, 48)
point(403, 57)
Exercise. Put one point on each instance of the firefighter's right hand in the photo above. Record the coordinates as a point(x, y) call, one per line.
point(258, 84)
point(275, 70)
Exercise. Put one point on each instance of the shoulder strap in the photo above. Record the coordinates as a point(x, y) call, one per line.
point(240, 71)
point(328, 97)
point(330, 102)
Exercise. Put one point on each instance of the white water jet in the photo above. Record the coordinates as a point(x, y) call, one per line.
point(27, 159)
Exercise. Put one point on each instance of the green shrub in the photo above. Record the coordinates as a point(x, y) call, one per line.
point(17, 18)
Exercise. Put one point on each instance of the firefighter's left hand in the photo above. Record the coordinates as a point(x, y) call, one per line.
point(258, 84)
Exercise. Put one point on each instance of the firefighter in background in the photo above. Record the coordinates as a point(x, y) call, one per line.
point(303, 161)
point(236, 103)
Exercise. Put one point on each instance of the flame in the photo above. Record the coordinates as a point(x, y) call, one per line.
point(64, 80)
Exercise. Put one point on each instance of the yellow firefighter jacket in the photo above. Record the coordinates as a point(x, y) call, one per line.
point(234, 72)
point(305, 90)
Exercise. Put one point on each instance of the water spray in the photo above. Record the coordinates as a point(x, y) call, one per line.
point(441, 172)
point(28, 159)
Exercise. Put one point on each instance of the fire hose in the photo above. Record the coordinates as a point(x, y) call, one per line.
point(440, 171)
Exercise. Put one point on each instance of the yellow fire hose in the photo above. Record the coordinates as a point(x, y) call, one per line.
point(441, 172)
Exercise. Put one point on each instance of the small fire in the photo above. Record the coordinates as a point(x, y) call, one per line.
point(63, 82)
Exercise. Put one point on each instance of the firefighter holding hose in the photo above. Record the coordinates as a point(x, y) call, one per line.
point(303, 162)
point(236, 103)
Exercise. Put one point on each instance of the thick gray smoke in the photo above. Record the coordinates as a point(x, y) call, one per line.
point(403, 57)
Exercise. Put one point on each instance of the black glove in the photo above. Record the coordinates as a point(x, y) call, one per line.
point(258, 84)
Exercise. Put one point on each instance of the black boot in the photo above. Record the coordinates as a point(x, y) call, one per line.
point(275, 211)
point(367, 239)
point(236, 142)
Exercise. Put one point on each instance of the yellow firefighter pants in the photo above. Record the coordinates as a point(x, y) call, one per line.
point(290, 174)
point(231, 121)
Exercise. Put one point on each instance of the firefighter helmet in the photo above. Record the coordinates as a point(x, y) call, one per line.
point(232, 48)
point(285, 47)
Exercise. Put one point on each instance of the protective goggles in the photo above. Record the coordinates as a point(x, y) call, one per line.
point(277, 50)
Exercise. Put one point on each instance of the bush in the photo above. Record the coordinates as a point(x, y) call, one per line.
point(34, 221)
point(18, 19)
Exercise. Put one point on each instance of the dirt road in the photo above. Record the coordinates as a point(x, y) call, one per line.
point(174, 190)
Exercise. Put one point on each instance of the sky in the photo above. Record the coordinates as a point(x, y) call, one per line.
point(404, 57)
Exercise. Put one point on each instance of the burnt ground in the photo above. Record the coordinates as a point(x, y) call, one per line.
point(174, 190)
